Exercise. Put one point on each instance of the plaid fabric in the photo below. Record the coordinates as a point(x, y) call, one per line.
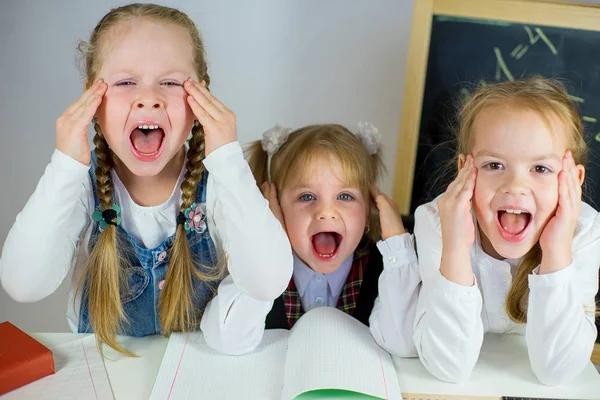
point(346, 302)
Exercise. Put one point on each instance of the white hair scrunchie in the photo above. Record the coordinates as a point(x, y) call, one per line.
point(369, 136)
point(272, 141)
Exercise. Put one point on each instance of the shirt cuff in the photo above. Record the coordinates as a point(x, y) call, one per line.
point(66, 163)
point(398, 250)
point(219, 162)
point(457, 291)
point(551, 279)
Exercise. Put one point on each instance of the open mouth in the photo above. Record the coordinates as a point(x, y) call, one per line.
point(513, 224)
point(147, 142)
point(326, 244)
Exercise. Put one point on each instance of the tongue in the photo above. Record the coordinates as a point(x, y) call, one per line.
point(514, 223)
point(147, 143)
point(324, 242)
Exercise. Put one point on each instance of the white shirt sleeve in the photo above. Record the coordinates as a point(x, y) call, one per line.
point(257, 249)
point(393, 315)
point(448, 326)
point(41, 246)
point(234, 322)
point(560, 329)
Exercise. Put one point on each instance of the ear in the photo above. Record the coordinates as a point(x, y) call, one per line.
point(86, 83)
point(580, 173)
point(203, 83)
point(461, 161)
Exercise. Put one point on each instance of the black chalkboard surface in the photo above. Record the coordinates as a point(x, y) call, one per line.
point(465, 53)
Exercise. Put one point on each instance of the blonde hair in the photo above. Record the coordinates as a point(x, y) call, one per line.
point(105, 272)
point(548, 98)
point(312, 142)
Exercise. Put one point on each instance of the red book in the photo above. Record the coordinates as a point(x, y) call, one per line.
point(22, 358)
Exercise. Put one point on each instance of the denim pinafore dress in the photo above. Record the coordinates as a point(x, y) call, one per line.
point(147, 269)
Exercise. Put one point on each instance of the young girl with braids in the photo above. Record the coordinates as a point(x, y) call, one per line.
point(149, 226)
point(510, 242)
point(322, 181)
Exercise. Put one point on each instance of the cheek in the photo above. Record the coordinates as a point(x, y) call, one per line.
point(546, 193)
point(114, 104)
point(482, 198)
point(177, 103)
point(294, 222)
point(356, 218)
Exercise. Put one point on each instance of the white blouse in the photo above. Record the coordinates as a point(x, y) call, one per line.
point(451, 318)
point(50, 235)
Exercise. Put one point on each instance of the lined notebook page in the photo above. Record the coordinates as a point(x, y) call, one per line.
point(503, 369)
point(80, 374)
point(329, 349)
point(191, 369)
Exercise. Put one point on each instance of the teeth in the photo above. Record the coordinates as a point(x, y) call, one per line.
point(147, 126)
point(514, 211)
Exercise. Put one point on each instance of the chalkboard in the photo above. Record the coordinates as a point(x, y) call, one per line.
point(465, 53)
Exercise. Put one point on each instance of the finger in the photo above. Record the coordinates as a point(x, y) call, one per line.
point(87, 111)
point(274, 202)
point(204, 98)
point(571, 179)
point(563, 191)
point(574, 178)
point(90, 93)
point(211, 97)
point(376, 195)
point(457, 186)
point(201, 115)
point(374, 190)
point(273, 194)
point(265, 188)
point(469, 186)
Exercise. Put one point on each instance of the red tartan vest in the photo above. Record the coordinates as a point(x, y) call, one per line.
point(359, 292)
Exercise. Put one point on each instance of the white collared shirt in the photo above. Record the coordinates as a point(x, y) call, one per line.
point(451, 318)
point(319, 290)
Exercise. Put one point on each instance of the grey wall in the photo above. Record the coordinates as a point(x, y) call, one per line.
point(291, 62)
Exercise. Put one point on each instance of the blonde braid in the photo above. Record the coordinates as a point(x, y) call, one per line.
point(105, 164)
point(176, 305)
point(194, 167)
point(103, 268)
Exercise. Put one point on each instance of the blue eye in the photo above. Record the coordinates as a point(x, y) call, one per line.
point(345, 197)
point(125, 83)
point(306, 197)
point(170, 83)
point(494, 166)
point(540, 169)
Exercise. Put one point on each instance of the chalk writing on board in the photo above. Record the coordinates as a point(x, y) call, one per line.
point(503, 71)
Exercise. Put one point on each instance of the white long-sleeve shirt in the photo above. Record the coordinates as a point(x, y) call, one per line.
point(234, 322)
point(452, 319)
point(51, 233)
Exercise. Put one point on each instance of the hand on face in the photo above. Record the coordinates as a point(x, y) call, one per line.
point(454, 207)
point(72, 126)
point(269, 190)
point(218, 121)
point(389, 214)
point(557, 236)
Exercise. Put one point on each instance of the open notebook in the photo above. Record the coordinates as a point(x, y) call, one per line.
point(327, 355)
point(330, 355)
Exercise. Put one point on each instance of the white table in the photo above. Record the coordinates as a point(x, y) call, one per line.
point(130, 378)
point(133, 378)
